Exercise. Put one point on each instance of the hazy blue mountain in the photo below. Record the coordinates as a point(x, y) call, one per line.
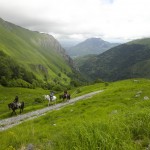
point(66, 44)
point(90, 46)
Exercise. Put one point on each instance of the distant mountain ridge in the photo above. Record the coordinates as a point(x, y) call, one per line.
point(90, 46)
point(130, 60)
point(36, 52)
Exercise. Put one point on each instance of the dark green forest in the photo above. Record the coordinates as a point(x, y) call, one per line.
point(11, 74)
point(130, 60)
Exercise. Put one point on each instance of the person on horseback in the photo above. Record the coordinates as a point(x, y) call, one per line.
point(51, 95)
point(65, 93)
point(16, 101)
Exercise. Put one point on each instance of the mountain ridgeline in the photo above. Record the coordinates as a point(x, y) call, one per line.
point(32, 58)
point(90, 46)
point(130, 60)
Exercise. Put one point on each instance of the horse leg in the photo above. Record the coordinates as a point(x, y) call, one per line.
point(21, 109)
point(13, 112)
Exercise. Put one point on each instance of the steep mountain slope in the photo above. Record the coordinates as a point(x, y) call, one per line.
point(128, 60)
point(38, 53)
point(90, 46)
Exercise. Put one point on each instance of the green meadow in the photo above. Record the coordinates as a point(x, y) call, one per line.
point(34, 98)
point(116, 119)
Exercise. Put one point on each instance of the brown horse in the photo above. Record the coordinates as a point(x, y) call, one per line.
point(13, 106)
point(65, 96)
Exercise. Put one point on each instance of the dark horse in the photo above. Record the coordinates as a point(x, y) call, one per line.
point(65, 96)
point(13, 106)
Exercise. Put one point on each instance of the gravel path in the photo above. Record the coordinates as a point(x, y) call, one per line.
point(13, 121)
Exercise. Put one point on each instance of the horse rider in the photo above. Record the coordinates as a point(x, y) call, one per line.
point(16, 101)
point(65, 93)
point(51, 95)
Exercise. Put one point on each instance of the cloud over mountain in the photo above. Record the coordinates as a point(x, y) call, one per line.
point(76, 19)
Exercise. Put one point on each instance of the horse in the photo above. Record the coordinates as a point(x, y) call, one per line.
point(13, 106)
point(65, 96)
point(47, 97)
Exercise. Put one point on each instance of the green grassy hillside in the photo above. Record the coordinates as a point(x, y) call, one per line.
point(38, 53)
point(116, 119)
point(130, 60)
point(34, 98)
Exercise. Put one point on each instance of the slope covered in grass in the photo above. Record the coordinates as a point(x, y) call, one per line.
point(36, 52)
point(34, 99)
point(116, 119)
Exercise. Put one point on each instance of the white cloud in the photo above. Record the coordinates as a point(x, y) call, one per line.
point(80, 19)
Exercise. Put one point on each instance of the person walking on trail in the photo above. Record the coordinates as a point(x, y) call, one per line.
point(51, 95)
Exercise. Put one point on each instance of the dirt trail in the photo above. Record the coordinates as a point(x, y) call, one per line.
point(13, 121)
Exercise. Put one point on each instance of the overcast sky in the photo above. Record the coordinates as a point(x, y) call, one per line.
point(111, 20)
